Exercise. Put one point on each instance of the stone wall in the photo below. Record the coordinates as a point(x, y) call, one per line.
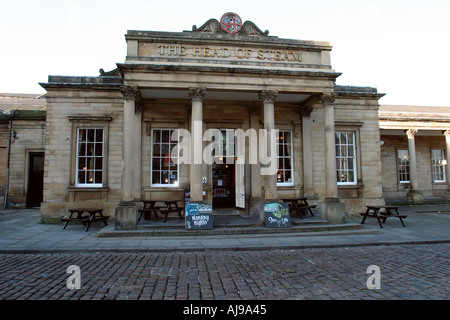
point(67, 109)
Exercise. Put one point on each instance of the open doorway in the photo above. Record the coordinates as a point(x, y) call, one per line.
point(35, 180)
point(223, 188)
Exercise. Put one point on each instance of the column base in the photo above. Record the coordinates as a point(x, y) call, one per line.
point(257, 207)
point(126, 215)
point(335, 211)
point(415, 196)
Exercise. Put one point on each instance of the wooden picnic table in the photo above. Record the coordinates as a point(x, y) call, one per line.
point(85, 219)
point(300, 205)
point(382, 212)
point(151, 207)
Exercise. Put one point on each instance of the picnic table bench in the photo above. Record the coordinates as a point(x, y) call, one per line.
point(79, 215)
point(382, 213)
point(300, 205)
point(151, 207)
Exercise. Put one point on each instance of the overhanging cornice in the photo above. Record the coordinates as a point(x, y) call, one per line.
point(161, 68)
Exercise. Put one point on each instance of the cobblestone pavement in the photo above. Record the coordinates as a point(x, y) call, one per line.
point(407, 272)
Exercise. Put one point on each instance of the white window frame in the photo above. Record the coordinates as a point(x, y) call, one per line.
point(340, 156)
point(163, 185)
point(77, 157)
point(291, 159)
point(439, 162)
point(401, 165)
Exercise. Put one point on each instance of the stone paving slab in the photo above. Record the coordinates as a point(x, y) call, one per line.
point(21, 231)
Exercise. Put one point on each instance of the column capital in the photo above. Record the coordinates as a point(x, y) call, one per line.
point(411, 133)
point(306, 111)
point(268, 95)
point(447, 133)
point(327, 98)
point(197, 94)
point(129, 92)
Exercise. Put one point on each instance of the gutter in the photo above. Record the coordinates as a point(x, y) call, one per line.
point(13, 113)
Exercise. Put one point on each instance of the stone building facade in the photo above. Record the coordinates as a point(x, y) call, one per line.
point(108, 138)
point(22, 145)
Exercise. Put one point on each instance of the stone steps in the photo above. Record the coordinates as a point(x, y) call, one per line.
point(236, 226)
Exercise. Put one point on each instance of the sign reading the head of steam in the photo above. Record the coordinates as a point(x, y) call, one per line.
point(198, 216)
point(277, 215)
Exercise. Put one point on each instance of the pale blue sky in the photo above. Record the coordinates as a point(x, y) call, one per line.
point(400, 47)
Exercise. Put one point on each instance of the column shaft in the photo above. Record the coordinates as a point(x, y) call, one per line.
point(412, 160)
point(447, 157)
point(137, 147)
point(308, 186)
point(270, 181)
point(330, 149)
point(196, 186)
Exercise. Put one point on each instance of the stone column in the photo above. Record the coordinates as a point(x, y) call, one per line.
point(270, 181)
point(334, 209)
point(413, 193)
point(256, 203)
point(197, 95)
point(126, 212)
point(447, 157)
point(308, 185)
point(137, 147)
point(330, 147)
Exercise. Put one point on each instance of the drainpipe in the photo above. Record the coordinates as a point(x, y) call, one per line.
point(13, 113)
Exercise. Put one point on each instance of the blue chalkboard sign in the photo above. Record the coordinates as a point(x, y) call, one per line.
point(277, 215)
point(197, 217)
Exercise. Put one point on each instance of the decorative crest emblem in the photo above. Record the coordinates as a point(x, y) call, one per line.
point(231, 22)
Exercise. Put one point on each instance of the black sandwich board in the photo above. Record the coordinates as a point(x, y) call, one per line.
point(277, 215)
point(198, 216)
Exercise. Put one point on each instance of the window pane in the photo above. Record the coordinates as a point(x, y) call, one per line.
point(81, 149)
point(99, 135)
point(81, 135)
point(90, 149)
point(81, 176)
point(99, 149)
point(98, 176)
point(165, 136)
point(98, 163)
point(156, 179)
point(91, 135)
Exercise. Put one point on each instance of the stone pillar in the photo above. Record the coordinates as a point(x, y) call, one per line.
point(334, 209)
point(137, 147)
point(270, 181)
point(196, 184)
point(256, 202)
point(308, 184)
point(447, 157)
point(413, 193)
point(126, 211)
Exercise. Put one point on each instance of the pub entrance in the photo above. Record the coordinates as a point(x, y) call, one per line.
point(223, 187)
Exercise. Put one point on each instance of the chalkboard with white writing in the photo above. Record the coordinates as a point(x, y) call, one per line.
point(198, 218)
point(277, 215)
